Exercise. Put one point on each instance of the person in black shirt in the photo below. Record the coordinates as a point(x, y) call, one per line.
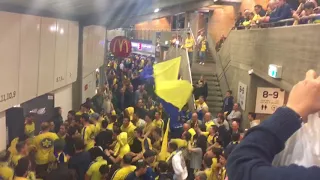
point(81, 160)
point(259, 10)
point(104, 138)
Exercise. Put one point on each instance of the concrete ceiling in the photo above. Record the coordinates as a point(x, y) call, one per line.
point(94, 11)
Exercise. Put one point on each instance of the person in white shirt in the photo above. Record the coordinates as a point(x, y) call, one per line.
point(179, 167)
point(252, 119)
point(235, 113)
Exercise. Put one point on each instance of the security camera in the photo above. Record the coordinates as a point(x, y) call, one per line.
point(250, 72)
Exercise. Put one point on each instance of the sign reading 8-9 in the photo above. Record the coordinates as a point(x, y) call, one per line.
point(266, 94)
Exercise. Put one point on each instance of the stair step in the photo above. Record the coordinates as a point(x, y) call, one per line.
point(215, 93)
point(214, 98)
point(215, 110)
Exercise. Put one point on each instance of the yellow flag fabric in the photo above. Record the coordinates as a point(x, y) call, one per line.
point(176, 92)
point(167, 70)
point(164, 147)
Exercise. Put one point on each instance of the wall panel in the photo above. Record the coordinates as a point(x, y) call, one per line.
point(47, 55)
point(72, 64)
point(61, 54)
point(9, 59)
point(88, 86)
point(63, 99)
point(29, 57)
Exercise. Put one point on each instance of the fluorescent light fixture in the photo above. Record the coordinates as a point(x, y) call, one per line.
point(156, 10)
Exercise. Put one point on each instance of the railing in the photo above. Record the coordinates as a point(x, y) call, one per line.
point(283, 22)
point(216, 57)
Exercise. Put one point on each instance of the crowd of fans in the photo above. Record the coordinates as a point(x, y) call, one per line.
point(307, 12)
point(118, 134)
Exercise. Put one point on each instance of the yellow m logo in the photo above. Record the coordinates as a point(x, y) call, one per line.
point(121, 43)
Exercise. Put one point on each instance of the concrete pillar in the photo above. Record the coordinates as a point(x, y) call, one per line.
point(77, 86)
point(194, 25)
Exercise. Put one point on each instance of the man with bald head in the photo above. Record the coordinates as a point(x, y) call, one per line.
point(194, 120)
point(208, 121)
point(235, 127)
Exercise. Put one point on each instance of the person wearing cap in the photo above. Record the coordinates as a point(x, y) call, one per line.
point(140, 171)
point(6, 172)
point(95, 117)
point(87, 132)
point(44, 144)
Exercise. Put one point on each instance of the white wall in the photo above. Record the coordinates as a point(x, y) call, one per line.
point(3, 131)
point(88, 86)
point(63, 99)
point(38, 55)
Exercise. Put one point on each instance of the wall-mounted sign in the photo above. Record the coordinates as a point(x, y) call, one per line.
point(120, 46)
point(242, 95)
point(275, 71)
point(268, 100)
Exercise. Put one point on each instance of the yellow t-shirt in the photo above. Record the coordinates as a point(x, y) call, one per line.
point(158, 123)
point(130, 131)
point(88, 136)
point(148, 127)
point(208, 173)
point(189, 44)
point(97, 128)
point(16, 158)
point(6, 173)
point(12, 149)
point(93, 170)
point(110, 126)
point(122, 173)
point(124, 150)
point(203, 46)
point(44, 145)
point(208, 125)
point(29, 129)
point(214, 168)
point(180, 142)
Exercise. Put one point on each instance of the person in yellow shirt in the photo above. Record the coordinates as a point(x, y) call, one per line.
point(157, 136)
point(158, 122)
point(122, 147)
point(29, 126)
point(188, 44)
point(145, 143)
point(113, 119)
point(126, 168)
point(85, 108)
point(97, 170)
point(62, 132)
point(22, 150)
point(44, 149)
point(203, 50)
point(207, 163)
point(129, 128)
point(149, 126)
point(6, 172)
point(201, 107)
point(87, 132)
point(97, 124)
point(208, 122)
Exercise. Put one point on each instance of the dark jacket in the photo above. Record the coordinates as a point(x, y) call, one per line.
point(57, 119)
point(252, 158)
point(80, 163)
point(104, 138)
point(227, 104)
point(283, 12)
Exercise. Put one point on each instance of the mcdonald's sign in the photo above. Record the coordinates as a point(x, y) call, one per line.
point(120, 46)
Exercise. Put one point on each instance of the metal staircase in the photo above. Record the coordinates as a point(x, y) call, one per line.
point(214, 99)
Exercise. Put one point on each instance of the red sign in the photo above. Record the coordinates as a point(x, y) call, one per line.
point(120, 46)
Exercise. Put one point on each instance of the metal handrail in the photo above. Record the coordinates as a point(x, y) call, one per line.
point(215, 55)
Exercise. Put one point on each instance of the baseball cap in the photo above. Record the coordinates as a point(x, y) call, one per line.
point(149, 153)
point(95, 116)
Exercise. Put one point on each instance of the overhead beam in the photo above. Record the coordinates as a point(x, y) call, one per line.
point(128, 21)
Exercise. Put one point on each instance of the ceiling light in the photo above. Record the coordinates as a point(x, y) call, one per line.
point(156, 10)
